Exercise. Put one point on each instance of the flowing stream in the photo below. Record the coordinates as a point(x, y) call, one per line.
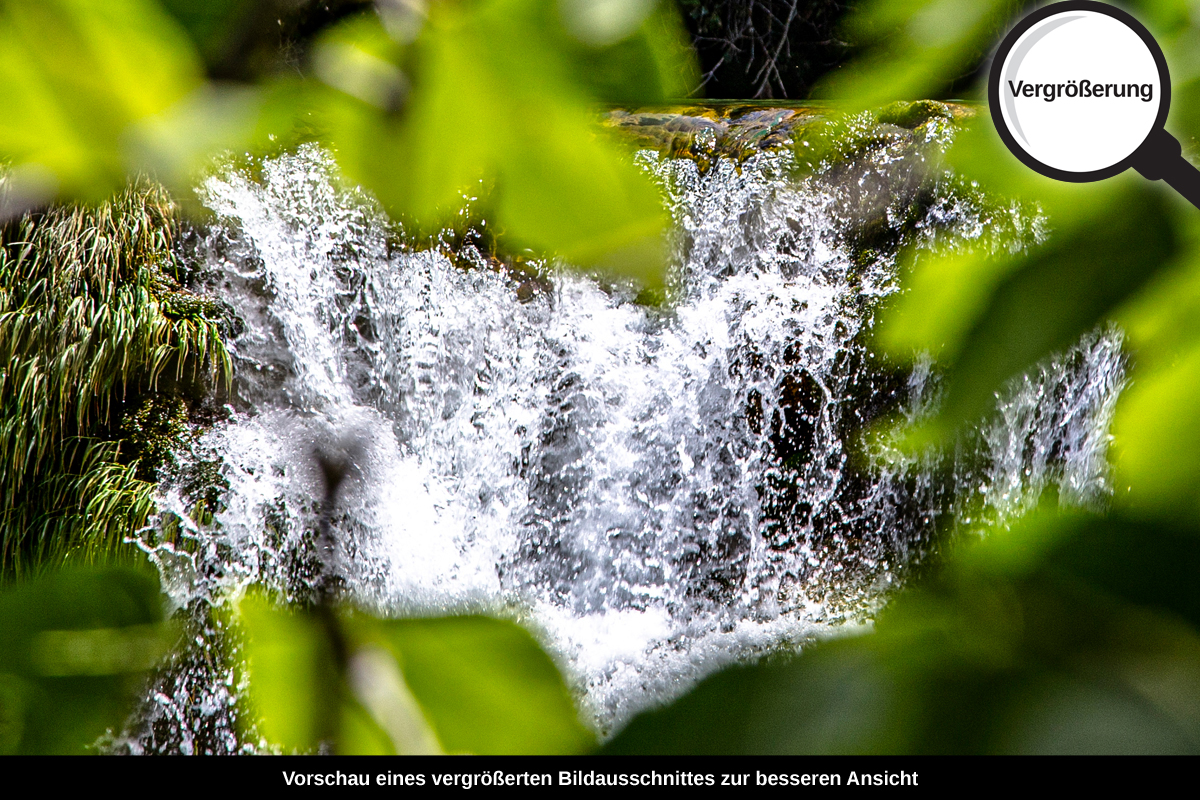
point(655, 492)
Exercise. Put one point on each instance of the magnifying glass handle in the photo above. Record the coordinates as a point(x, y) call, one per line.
point(1161, 158)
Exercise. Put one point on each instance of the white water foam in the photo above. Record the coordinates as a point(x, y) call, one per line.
point(657, 493)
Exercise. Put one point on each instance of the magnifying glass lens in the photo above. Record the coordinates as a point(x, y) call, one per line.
point(1080, 91)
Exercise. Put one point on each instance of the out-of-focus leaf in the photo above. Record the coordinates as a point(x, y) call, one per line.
point(1151, 564)
point(360, 734)
point(1164, 18)
point(1034, 640)
point(1171, 23)
point(1184, 118)
point(979, 154)
point(991, 321)
point(836, 699)
point(1162, 322)
point(486, 686)
point(654, 63)
point(498, 95)
point(917, 48)
point(416, 686)
point(1157, 426)
point(377, 681)
point(294, 682)
point(74, 648)
point(1157, 436)
point(603, 22)
point(74, 75)
point(178, 143)
point(359, 58)
point(213, 25)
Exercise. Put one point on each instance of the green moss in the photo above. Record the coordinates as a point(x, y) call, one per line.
point(152, 431)
point(912, 114)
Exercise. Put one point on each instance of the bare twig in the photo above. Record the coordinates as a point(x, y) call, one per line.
point(772, 65)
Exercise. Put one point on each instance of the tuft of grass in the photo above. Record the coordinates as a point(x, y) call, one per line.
point(94, 327)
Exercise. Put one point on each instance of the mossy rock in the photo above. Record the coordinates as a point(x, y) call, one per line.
point(910, 115)
point(705, 133)
point(153, 431)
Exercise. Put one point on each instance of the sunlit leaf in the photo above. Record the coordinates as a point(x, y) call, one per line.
point(378, 683)
point(1157, 437)
point(1162, 322)
point(416, 686)
point(360, 734)
point(491, 100)
point(294, 680)
point(74, 76)
point(604, 22)
point(180, 142)
point(486, 686)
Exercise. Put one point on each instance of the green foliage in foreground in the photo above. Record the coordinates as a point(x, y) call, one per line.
point(1066, 632)
point(424, 104)
point(74, 650)
point(369, 686)
point(102, 351)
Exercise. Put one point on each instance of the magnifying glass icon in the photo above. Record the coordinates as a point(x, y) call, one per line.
point(1079, 92)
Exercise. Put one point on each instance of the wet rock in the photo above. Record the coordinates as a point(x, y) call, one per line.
point(706, 132)
point(802, 401)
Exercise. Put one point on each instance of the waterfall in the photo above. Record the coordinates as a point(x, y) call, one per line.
point(656, 492)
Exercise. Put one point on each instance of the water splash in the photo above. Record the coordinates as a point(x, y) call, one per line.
point(658, 492)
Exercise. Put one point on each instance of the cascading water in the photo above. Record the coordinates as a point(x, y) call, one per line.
point(658, 492)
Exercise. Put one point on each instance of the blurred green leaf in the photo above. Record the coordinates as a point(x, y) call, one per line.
point(1061, 635)
point(1162, 322)
point(1157, 426)
point(294, 679)
point(652, 63)
point(915, 49)
point(497, 91)
point(74, 648)
point(990, 320)
point(1157, 435)
point(495, 101)
point(978, 154)
point(603, 22)
point(381, 688)
point(178, 143)
point(835, 699)
point(213, 24)
point(1166, 19)
point(420, 686)
point(486, 686)
point(359, 734)
point(1143, 563)
point(74, 76)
